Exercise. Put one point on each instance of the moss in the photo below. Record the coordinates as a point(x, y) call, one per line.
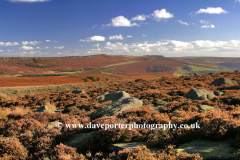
point(120, 146)
point(210, 149)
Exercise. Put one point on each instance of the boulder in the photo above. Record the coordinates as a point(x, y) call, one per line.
point(112, 96)
point(101, 97)
point(210, 149)
point(218, 93)
point(116, 107)
point(158, 104)
point(223, 80)
point(55, 124)
point(78, 91)
point(120, 146)
point(79, 140)
point(59, 111)
point(203, 108)
point(199, 94)
point(44, 109)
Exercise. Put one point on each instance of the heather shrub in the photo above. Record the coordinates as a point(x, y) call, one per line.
point(15, 116)
point(19, 126)
point(42, 143)
point(43, 117)
point(12, 149)
point(216, 125)
point(105, 120)
point(62, 152)
point(237, 155)
point(139, 152)
point(160, 138)
point(26, 139)
point(99, 79)
point(91, 78)
point(186, 156)
point(53, 133)
point(88, 80)
point(180, 116)
point(169, 153)
point(104, 137)
point(42, 146)
point(144, 115)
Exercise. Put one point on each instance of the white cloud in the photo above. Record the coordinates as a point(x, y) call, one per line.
point(29, 43)
point(27, 48)
point(117, 46)
point(96, 45)
point(121, 21)
point(38, 48)
point(208, 26)
point(1, 50)
point(94, 26)
point(211, 10)
point(93, 38)
point(160, 14)
point(30, 1)
point(46, 47)
point(61, 47)
point(143, 35)
point(139, 18)
point(129, 36)
point(8, 44)
point(48, 41)
point(183, 23)
point(178, 48)
point(116, 37)
point(204, 22)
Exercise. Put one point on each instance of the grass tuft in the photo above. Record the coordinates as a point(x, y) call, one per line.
point(50, 105)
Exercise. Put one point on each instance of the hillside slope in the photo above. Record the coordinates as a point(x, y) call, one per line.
point(16, 66)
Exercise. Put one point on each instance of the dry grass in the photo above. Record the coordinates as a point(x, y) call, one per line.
point(12, 94)
point(8, 98)
point(3, 96)
point(4, 112)
point(50, 105)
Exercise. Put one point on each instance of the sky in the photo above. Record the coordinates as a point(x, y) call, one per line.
point(172, 28)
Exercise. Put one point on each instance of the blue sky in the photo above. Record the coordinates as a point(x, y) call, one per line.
point(173, 28)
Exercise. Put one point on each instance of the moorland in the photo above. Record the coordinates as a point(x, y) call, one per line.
point(46, 93)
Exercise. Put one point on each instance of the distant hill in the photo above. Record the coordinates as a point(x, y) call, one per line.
point(17, 66)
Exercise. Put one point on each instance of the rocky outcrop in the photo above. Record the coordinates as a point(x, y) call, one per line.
point(80, 140)
point(203, 108)
point(44, 109)
point(117, 107)
point(158, 104)
point(210, 149)
point(218, 93)
point(113, 96)
point(223, 80)
point(120, 146)
point(199, 94)
point(77, 91)
point(55, 124)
